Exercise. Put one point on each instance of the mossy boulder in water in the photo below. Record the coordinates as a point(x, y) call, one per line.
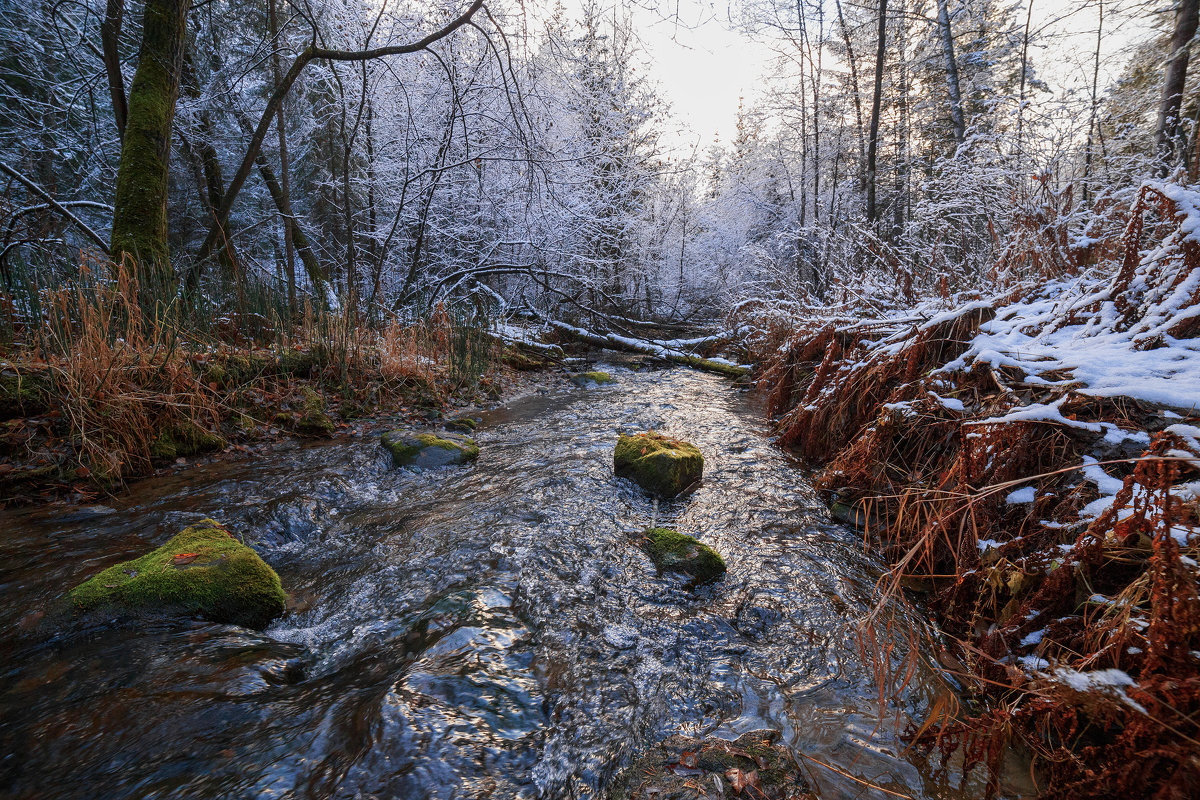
point(672, 551)
point(588, 379)
point(461, 424)
point(203, 571)
point(683, 768)
point(659, 464)
point(410, 449)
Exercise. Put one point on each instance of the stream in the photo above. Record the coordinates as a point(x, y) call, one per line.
point(490, 631)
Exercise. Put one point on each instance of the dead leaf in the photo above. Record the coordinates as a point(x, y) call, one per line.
point(184, 558)
point(740, 779)
point(688, 759)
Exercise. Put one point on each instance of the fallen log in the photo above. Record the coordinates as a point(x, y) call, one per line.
point(659, 350)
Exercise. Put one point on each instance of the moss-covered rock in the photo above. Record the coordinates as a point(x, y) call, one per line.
point(660, 465)
point(672, 551)
point(313, 419)
point(682, 768)
point(461, 424)
point(411, 449)
point(589, 379)
point(24, 394)
point(184, 439)
point(203, 572)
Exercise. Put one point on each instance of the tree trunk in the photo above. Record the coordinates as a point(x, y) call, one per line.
point(952, 85)
point(1166, 135)
point(873, 141)
point(855, 94)
point(1087, 158)
point(139, 227)
point(285, 186)
point(110, 39)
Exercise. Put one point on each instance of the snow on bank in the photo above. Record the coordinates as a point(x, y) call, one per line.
point(1103, 361)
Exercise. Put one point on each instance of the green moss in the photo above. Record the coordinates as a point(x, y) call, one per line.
point(672, 551)
point(139, 226)
point(184, 439)
point(295, 363)
point(315, 423)
point(718, 367)
point(25, 394)
point(523, 362)
point(313, 419)
point(660, 465)
point(202, 571)
point(591, 378)
point(229, 370)
point(463, 424)
point(428, 449)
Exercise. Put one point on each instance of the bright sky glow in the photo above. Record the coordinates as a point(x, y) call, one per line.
point(704, 63)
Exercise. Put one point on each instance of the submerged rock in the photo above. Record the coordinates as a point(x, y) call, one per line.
point(683, 768)
point(660, 465)
point(411, 449)
point(203, 571)
point(672, 551)
point(589, 379)
point(461, 424)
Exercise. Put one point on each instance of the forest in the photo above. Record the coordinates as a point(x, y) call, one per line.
point(939, 286)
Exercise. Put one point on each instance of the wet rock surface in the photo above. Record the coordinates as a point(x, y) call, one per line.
point(683, 768)
point(661, 465)
point(203, 572)
point(429, 450)
point(587, 380)
point(672, 551)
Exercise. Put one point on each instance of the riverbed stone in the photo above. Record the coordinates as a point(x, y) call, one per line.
point(202, 571)
point(662, 466)
point(682, 768)
point(672, 551)
point(461, 424)
point(587, 380)
point(426, 450)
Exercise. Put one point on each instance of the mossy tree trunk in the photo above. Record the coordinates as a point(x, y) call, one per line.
point(139, 228)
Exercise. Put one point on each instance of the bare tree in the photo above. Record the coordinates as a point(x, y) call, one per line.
point(877, 96)
point(1167, 133)
point(952, 86)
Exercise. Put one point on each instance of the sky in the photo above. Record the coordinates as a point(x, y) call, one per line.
point(704, 63)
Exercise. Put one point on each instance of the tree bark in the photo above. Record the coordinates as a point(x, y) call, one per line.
point(952, 84)
point(139, 228)
point(855, 94)
point(1166, 135)
point(873, 141)
point(110, 40)
point(289, 244)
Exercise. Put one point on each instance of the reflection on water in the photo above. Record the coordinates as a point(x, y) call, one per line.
point(485, 631)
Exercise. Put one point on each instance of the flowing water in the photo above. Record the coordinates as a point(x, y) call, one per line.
point(484, 631)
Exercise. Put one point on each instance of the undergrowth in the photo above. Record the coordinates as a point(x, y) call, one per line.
point(96, 387)
point(1055, 530)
